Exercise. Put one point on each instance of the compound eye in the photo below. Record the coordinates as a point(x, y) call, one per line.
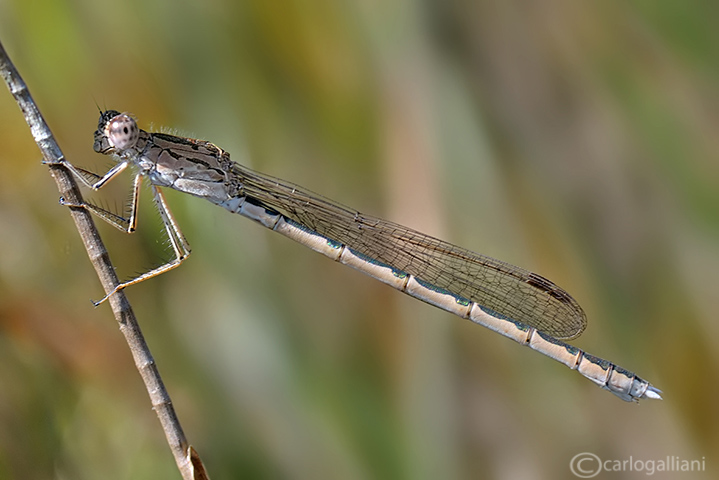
point(122, 132)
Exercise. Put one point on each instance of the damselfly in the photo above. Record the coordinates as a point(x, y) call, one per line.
point(512, 301)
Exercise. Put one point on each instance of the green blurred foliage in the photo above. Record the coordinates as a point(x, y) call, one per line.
point(576, 139)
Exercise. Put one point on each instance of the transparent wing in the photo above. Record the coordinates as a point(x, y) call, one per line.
point(508, 290)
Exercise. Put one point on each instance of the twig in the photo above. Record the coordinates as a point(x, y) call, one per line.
point(187, 460)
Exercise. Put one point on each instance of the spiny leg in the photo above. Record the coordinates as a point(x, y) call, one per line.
point(128, 225)
point(179, 243)
point(90, 179)
point(122, 223)
point(177, 239)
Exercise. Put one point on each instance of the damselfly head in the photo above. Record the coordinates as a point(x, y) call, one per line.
point(121, 131)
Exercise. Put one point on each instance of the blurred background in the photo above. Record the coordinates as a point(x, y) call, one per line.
point(575, 139)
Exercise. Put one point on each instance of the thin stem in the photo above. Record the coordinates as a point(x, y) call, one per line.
point(187, 460)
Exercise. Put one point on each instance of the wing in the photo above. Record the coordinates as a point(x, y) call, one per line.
point(504, 288)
